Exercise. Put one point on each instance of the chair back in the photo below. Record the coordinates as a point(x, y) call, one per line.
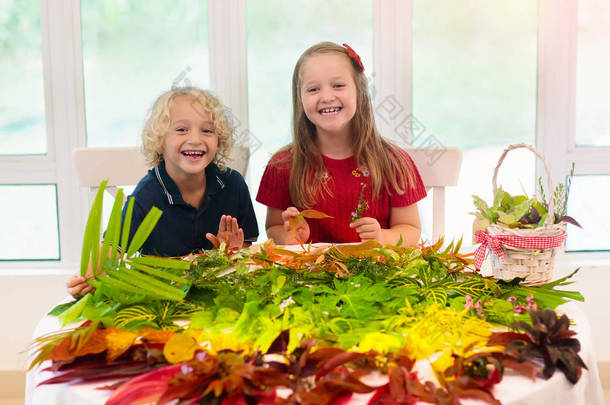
point(125, 166)
point(439, 168)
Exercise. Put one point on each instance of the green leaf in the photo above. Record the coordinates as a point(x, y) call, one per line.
point(61, 308)
point(483, 207)
point(73, 313)
point(136, 313)
point(127, 225)
point(153, 286)
point(436, 294)
point(507, 219)
point(144, 230)
point(521, 209)
point(113, 230)
point(162, 262)
point(158, 273)
point(91, 239)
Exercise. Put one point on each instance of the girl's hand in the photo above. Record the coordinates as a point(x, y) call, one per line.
point(302, 231)
point(228, 232)
point(77, 286)
point(368, 229)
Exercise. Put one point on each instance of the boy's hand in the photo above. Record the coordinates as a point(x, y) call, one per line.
point(77, 286)
point(302, 231)
point(368, 228)
point(228, 232)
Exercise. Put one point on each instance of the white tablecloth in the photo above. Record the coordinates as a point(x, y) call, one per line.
point(513, 390)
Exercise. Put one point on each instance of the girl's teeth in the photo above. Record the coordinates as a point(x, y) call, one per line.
point(326, 111)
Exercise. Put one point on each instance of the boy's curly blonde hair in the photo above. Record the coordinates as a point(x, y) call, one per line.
point(158, 122)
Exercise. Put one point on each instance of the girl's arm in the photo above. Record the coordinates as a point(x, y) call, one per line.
point(404, 221)
point(278, 226)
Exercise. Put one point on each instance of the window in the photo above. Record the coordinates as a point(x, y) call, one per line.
point(592, 80)
point(132, 52)
point(22, 115)
point(474, 87)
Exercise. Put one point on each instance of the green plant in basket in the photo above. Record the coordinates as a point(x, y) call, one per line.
point(522, 211)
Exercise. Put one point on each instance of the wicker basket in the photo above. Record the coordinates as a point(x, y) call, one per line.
point(533, 265)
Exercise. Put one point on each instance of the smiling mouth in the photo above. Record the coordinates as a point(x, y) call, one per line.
point(193, 154)
point(330, 111)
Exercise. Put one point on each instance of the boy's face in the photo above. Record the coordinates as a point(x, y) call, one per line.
point(191, 142)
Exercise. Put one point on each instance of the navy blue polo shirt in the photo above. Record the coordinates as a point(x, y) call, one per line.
point(182, 228)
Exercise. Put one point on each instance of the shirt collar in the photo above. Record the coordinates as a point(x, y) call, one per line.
point(213, 183)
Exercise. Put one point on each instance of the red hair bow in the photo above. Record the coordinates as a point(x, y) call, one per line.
point(352, 54)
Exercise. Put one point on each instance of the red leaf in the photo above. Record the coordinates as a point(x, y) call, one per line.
point(144, 389)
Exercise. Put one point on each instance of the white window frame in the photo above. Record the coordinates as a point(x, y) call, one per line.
point(556, 115)
point(65, 130)
point(65, 113)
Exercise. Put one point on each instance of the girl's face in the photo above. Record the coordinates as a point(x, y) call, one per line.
point(191, 142)
point(328, 93)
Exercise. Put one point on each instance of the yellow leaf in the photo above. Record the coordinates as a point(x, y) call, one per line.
point(180, 347)
point(379, 342)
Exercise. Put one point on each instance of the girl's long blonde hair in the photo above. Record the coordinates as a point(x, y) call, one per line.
point(157, 124)
point(388, 169)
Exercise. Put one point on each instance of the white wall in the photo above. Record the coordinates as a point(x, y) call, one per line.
point(25, 296)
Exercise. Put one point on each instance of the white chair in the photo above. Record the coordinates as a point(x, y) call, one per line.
point(439, 168)
point(124, 166)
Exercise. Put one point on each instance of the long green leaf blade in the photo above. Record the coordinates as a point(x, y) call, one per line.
point(113, 230)
point(148, 283)
point(163, 262)
point(144, 230)
point(91, 239)
point(158, 273)
point(127, 225)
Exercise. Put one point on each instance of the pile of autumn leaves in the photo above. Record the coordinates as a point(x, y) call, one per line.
point(278, 328)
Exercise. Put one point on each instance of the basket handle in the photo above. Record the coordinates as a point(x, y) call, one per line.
point(551, 212)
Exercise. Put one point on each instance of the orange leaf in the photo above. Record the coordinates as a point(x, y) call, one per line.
point(364, 249)
point(149, 335)
point(313, 214)
point(66, 350)
point(118, 342)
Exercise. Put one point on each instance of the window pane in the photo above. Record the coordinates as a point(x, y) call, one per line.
point(474, 87)
point(31, 236)
point(278, 32)
point(590, 212)
point(133, 51)
point(22, 116)
point(592, 80)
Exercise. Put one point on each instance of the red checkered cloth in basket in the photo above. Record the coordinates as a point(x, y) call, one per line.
point(495, 243)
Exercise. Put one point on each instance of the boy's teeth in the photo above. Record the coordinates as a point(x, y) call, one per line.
point(189, 153)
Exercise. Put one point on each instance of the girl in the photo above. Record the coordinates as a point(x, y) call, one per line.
point(187, 139)
point(338, 163)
